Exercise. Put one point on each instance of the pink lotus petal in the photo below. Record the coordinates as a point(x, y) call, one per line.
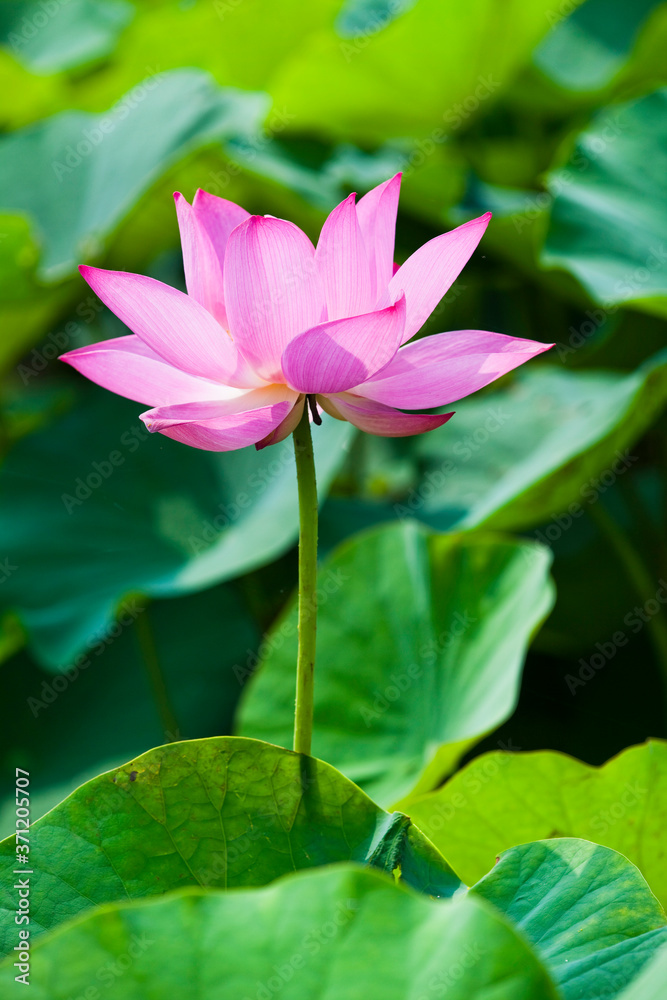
point(172, 324)
point(218, 217)
point(334, 356)
point(212, 427)
point(130, 368)
point(430, 271)
point(269, 320)
point(272, 289)
point(284, 429)
point(202, 266)
point(343, 264)
point(440, 369)
point(374, 418)
point(376, 212)
point(206, 409)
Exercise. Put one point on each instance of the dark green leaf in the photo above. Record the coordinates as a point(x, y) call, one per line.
point(161, 518)
point(54, 726)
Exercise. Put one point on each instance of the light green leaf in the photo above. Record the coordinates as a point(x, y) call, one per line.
point(393, 69)
point(18, 257)
point(331, 934)
point(650, 984)
point(422, 73)
point(32, 96)
point(609, 213)
point(72, 175)
point(240, 44)
point(502, 799)
point(586, 910)
point(28, 309)
point(365, 17)
point(221, 812)
point(95, 488)
point(421, 640)
point(61, 34)
point(586, 50)
point(520, 456)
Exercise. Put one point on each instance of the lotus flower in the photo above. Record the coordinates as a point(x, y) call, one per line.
point(270, 321)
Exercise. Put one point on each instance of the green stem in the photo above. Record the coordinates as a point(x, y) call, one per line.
point(156, 679)
point(639, 576)
point(305, 664)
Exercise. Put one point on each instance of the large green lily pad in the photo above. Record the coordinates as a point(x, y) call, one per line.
point(528, 453)
point(350, 932)
point(650, 985)
point(421, 639)
point(584, 52)
point(71, 174)
point(77, 31)
point(503, 799)
point(219, 812)
point(586, 910)
point(95, 489)
point(610, 207)
point(421, 73)
point(323, 935)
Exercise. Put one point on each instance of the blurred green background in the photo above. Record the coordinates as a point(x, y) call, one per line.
point(550, 114)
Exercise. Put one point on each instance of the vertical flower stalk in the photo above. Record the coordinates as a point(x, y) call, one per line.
point(156, 679)
point(305, 664)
